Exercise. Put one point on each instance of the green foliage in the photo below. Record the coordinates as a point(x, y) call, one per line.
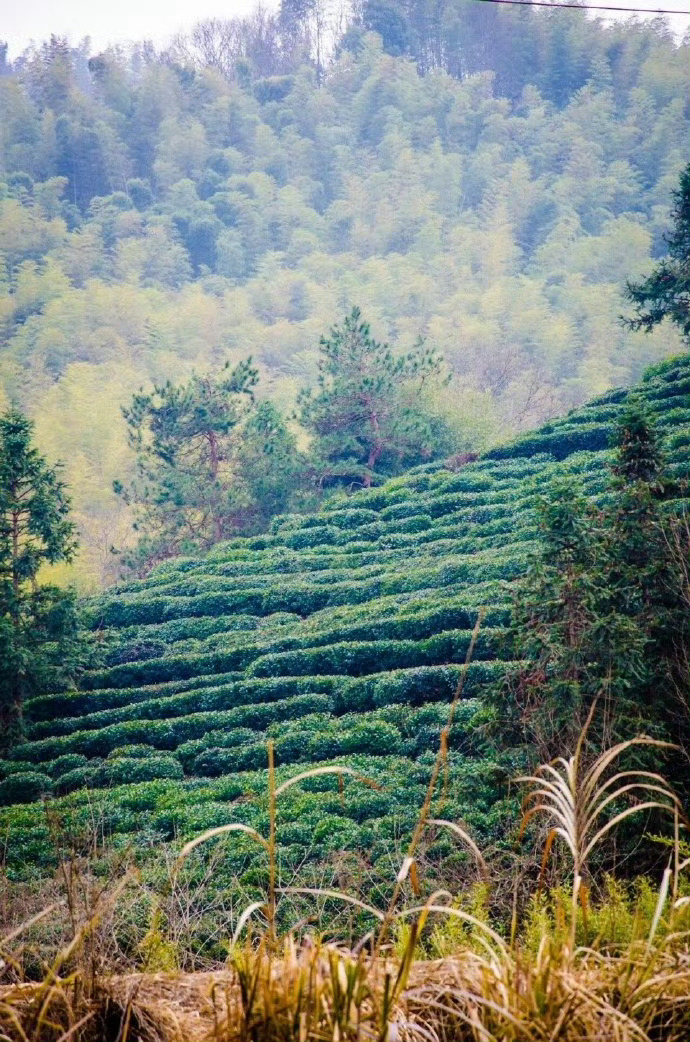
point(128, 770)
point(618, 916)
point(24, 787)
point(39, 641)
point(186, 482)
point(236, 195)
point(208, 464)
point(599, 614)
point(337, 634)
point(364, 416)
point(666, 292)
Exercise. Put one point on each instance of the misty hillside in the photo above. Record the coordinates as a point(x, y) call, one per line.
point(488, 181)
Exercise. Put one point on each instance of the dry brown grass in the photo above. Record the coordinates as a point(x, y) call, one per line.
point(310, 992)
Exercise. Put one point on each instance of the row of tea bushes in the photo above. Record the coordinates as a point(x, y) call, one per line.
point(312, 817)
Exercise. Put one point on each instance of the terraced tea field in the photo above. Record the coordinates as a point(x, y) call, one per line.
point(339, 635)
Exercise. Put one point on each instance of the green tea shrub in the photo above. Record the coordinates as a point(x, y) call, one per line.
point(24, 787)
point(189, 751)
point(85, 777)
point(613, 397)
point(159, 670)
point(658, 393)
point(669, 369)
point(8, 767)
point(64, 764)
point(679, 417)
point(125, 770)
point(312, 536)
point(216, 761)
point(133, 751)
point(559, 443)
point(136, 651)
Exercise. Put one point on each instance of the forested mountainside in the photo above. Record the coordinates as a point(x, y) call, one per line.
point(238, 193)
point(339, 634)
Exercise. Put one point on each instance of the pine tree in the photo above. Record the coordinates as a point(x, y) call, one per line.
point(666, 292)
point(639, 604)
point(187, 492)
point(210, 464)
point(272, 466)
point(39, 640)
point(364, 417)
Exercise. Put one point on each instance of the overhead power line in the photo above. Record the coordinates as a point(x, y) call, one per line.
point(584, 7)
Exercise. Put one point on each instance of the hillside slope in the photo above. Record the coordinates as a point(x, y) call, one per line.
point(159, 215)
point(339, 635)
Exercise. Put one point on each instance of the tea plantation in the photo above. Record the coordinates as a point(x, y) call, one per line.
point(340, 636)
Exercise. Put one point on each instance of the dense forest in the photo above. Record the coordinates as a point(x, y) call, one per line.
point(484, 178)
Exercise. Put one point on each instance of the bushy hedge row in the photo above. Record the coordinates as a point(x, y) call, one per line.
point(454, 538)
point(24, 787)
point(601, 413)
point(679, 417)
point(195, 628)
point(424, 684)
point(679, 441)
point(435, 605)
point(659, 393)
point(169, 733)
point(173, 667)
point(613, 397)
point(312, 817)
point(399, 730)
point(514, 467)
point(356, 658)
point(325, 568)
point(560, 443)
point(188, 752)
point(669, 369)
point(330, 660)
point(414, 686)
point(305, 598)
point(225, 660)
point(262, 594)
point(244, 691)
point(75, 703)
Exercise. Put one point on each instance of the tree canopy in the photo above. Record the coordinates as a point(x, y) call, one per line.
point(209, 464)
point(365, 415)
point(600, 614)
point(38, 624)
point(666, 292)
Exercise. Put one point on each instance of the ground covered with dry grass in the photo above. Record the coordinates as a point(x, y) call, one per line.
point(312, 992)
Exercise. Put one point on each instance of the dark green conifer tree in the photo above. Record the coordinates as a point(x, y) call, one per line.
point(640, 630)
point(210, 464)
point(365, 417)
point(545, 700)
point(666, 292)
point(39, 640)
point(187, 492)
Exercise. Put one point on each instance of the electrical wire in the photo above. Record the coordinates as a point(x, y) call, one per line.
point(584, 7)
